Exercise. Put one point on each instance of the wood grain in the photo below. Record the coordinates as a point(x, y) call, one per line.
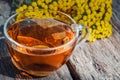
point(99, 60)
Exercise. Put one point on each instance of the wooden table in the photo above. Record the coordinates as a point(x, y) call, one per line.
point(99, 60)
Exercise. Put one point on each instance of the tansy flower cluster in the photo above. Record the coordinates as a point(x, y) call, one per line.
point(95, 14)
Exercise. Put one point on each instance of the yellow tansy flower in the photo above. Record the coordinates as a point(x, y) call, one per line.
point(95, 14)
point(30, 8)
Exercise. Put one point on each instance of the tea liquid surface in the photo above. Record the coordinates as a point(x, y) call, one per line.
point(40, 33)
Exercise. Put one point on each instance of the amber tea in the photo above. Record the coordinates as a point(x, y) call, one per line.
point(40, 34)
point(40, 46)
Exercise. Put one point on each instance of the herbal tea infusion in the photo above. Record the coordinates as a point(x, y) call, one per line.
point(40, 33)
point(41, 45)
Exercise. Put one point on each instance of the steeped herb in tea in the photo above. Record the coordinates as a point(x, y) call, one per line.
point(40, 34)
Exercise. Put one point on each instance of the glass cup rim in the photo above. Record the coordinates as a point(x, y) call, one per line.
point(35, 48)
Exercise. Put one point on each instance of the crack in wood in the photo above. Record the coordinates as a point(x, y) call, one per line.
point(72, 70)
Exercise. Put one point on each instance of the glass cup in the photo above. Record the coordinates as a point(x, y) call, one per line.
point(40, 44)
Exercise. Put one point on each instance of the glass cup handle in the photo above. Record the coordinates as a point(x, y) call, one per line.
point(82, 39)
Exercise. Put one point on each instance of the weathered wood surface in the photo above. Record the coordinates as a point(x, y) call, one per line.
point(4, 11)
point(116, 7)
point(99, 60)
